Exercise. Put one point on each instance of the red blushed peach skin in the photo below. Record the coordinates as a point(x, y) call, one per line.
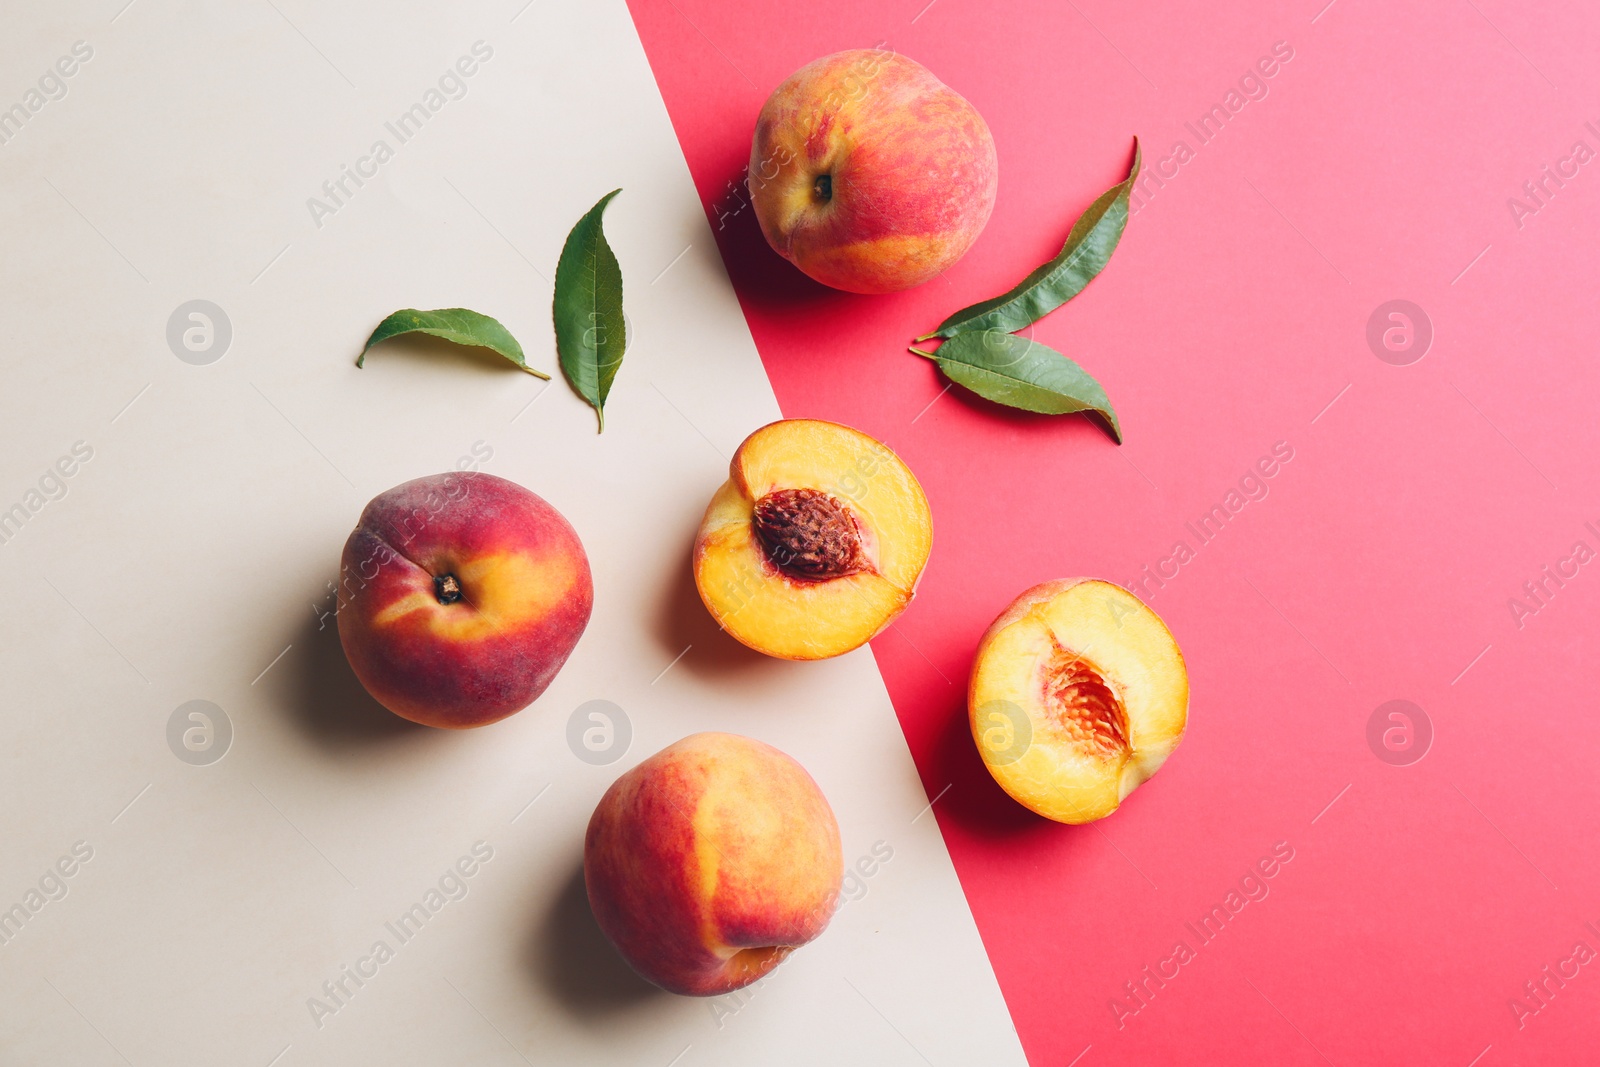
point(815, 543)
point(460, 597)
point(869, 173)
point(711, 861)
point(1078, 695)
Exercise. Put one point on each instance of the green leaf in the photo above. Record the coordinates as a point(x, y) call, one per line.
point(1022, 373)
point(591, 334)
point(1087, 251)
point(453, 324)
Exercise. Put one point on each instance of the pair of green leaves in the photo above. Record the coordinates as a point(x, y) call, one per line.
point(591, 332)
point(981, 351)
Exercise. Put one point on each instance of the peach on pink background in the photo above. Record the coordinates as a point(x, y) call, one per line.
point(460, 597)
point(869, 173)
point(711, 861)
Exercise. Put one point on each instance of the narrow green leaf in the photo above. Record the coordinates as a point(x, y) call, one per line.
point(1021, 373)
point(1087, 251)
point(591, 334)
point(453, 324)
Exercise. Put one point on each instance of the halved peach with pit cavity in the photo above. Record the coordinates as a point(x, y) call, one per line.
point(815, 542)
point(1078, 695)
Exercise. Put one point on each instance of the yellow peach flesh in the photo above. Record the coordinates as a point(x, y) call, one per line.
point(1078, 695)
point(754, 599)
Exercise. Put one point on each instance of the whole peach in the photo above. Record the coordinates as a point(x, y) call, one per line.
point(711, 861)
point(460, 597)
point(869, 173)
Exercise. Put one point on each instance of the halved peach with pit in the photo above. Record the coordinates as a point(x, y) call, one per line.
point(1078, 695)
point(814, 543)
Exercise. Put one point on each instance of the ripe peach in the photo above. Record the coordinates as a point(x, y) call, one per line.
point(869, 173)
point(711, 861)
point(460, 597)
point(815, 542)
point(1078, 695)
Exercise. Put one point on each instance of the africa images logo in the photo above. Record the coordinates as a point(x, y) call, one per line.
point(451, 886)
point(451, 85)
point(1252, 887)
point(51, 486)
point(51, 86)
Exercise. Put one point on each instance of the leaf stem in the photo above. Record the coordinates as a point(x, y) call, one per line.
point(920, 352)
point(926, 337)
point(530, 370)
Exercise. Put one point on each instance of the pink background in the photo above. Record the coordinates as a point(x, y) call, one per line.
point(1378, 567)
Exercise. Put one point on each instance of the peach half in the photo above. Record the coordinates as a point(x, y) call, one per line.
point(1078, 695)
point(815, 542)
point(710, 862)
